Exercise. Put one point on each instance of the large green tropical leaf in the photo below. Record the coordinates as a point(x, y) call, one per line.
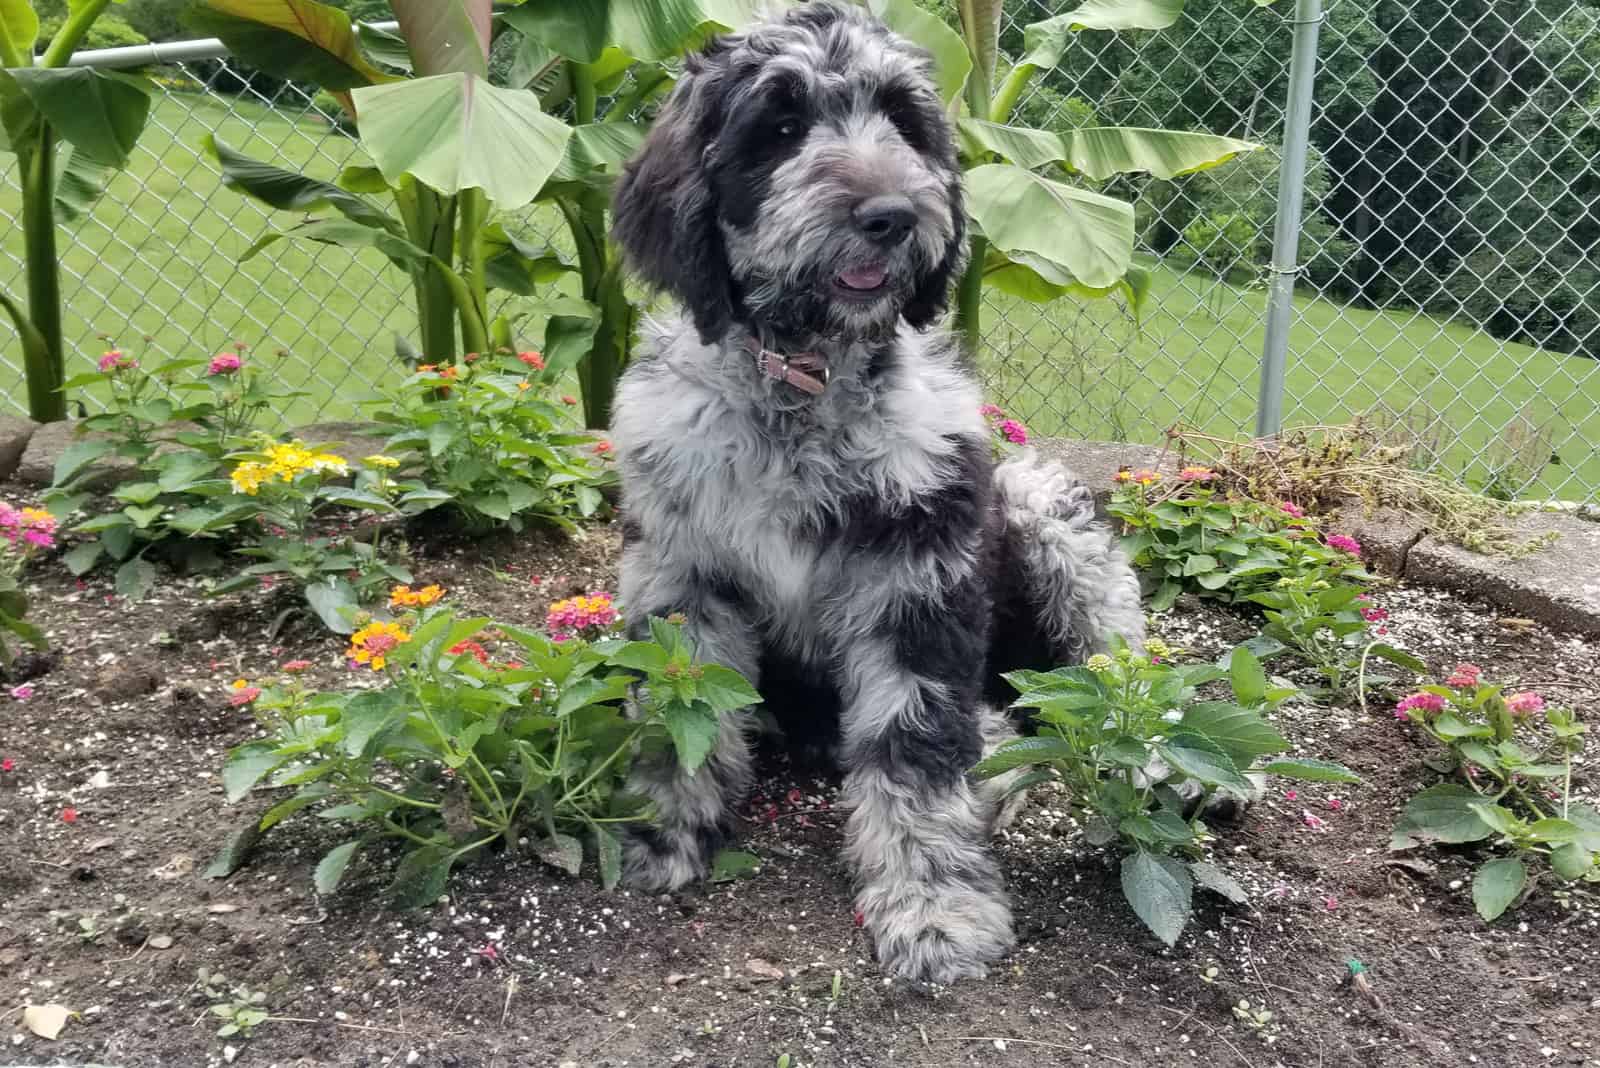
point(297, 39)
point(1087, 234)
point(980, 25)
point(1101, 151)
point(79, 182)
point(347, 234)
point(100, 113)
point(597, 149)
point(644, 29)
point(1036, 279)
point(445, 36)
point(952, 63)
point(1045, 41)
point(289, 191)
point(19, 29)
point(1021, 145)
point(456, 131)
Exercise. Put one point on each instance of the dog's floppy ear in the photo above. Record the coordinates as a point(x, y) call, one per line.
point(664, 211)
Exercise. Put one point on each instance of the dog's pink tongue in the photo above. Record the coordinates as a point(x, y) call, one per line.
point(867, 276)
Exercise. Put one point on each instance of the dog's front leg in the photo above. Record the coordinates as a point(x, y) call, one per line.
point(694, 812)
point(929, 890)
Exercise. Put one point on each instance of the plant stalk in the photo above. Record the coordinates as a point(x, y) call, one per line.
point(968, 321)
point(472, 212)
point(46, 401)
point(72, 32)
point(1010, 91)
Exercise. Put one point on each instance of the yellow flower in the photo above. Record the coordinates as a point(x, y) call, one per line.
point(1099, 662)
point(380, 461)
point(406, 597)
point(248, 477)
point(523, 387)
point(240, 684)
point(372, 644)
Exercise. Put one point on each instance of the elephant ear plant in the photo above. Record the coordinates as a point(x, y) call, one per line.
point(69, 128)
point(449, 148)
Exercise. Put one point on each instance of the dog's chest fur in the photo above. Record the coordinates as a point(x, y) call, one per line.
point(748, 481)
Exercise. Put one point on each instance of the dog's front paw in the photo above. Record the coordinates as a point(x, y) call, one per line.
point(937, 932)
point(656, 860)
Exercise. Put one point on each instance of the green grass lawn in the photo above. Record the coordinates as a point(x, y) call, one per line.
point(158, 258)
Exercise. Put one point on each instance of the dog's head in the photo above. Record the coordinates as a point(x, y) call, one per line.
point(801, 179)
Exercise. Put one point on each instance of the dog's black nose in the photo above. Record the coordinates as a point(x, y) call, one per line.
point(886, 220)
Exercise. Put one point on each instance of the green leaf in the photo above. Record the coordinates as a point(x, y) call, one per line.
point(1204, 760)
point(298, 40)
point(78, 455)
point(1044, 42)
point(563, 851)
point(1398, 657)
point(1248, 678)
point(1588, 821)
point(1022, 752)
point(1554, 831)
point(597, 146)
point(289, 191)
point(364, 717)
point(100, 113)
point(1198, 564)
point(1086, 234)
point(421, 877)
point(608, 848)
point(284, 809)
point(1240, 733)
point(442, 38)
point(567, 340)
point(694, 730)
point(1160, 890)
point(335, 602)
point(1571, 861)
point(134, 578)
point(246, 766)
point(644, 29)
point(1218, 881)
point(1441, 814)
point(730, 864)
point(1125, 752)
point(1502, 820)
point(1021, 145)
point(143, 517)
point(456, 131)
point(80, 180)
point(647, 657)
point(1497, 885)
point(384, 47)
point(19, 30)
point(1451, 727)
point(1307, 769)
point(331, 868)
point(724, 689)
point(80, 559)
point(952, 62)
point(1102, 151)
point(346, 234)
point(235, 851)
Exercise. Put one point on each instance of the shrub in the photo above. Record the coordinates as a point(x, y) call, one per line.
point(487, 437)
point(1125, 735)
point(1512, 781)
point(1224, 243)
point(478, 733)
point(23, 533)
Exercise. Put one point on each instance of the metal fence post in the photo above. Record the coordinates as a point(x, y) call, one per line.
point(1285, 264)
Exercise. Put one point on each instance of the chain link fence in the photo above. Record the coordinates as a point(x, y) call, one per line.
point(1448, 288)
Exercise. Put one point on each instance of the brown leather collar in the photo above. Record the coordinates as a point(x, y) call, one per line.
point(805, 371)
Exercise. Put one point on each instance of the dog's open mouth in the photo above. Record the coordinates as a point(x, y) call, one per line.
point(863, 280)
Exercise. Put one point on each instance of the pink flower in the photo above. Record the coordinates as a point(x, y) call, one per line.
point(1291, 795)
point(794, 797)
point(1374, 615)
point(224, 363)
point(115, 361)
point(567, 618)
point(21, 693)
point(1197, 474)
point(1314, 822)
point(859, 918)
point(1014, 432)
point(489, 952)
point(1344, 543)
point(296, 666)
point(244, 695)
point(1521, 704)
point(1335, 804)
point(69, 815)
point(1330, 903)
point(8, 765)
point(1293, 509)
point(991, 411)
point(1465, 676)
point(1420, 701)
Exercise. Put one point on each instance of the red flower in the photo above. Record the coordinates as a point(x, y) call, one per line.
point(69, 815)
point(569, 399)
point(8, 765)
point(478, 652)
point(532, 359)
point(244, 695)
point(1374, 615)
point(296, 666)
point(860, 918)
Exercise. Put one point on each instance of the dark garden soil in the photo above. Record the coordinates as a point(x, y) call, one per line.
point(128, 724)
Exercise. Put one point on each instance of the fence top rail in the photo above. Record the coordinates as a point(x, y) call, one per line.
point(166, 52)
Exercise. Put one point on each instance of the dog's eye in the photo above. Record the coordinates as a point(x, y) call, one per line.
point(788, 128)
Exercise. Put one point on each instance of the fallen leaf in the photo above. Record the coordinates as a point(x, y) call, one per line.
point(675, 978)
point(161, 942)
point(757, 966)
point(46, 1021)
point(221, 907)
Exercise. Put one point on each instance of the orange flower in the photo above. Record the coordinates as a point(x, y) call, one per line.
point(406, 597)
point(372, 644)
point(532, 359)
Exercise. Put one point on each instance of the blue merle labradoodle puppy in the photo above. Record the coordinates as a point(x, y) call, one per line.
point(807, 477)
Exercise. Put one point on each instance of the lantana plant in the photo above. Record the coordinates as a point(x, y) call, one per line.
point(1008, 433)
point(1139, 754)
point(24, 533)
point(1508, 760)
point(478, 734)
point(486, 435)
